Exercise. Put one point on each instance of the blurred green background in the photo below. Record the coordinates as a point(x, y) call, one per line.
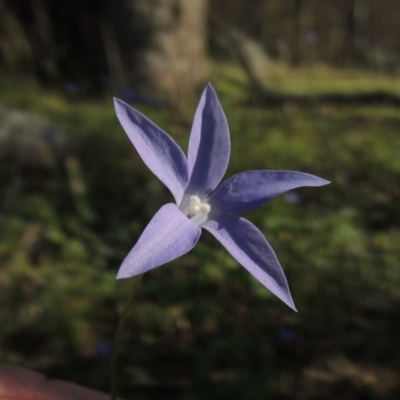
point(75, 196)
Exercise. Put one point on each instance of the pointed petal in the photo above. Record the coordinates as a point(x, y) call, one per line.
point(209, 146)
point(249, 247)
point(251, 189)
point(157, 149)
point(169, 235)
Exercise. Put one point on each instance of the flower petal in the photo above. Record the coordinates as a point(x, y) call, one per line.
point(209, 145)
point(249, 247)
point(158, 150)
point(169, 235)
point(251, 189)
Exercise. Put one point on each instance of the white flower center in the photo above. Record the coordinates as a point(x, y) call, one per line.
point(195, 209)
point(195, 206)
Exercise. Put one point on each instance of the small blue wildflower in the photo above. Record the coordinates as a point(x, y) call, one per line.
point(200, 202)
point(129, 96)
point(49, 134)
point(71, 88)
point(292, 197)
point(311, 37)
point(104, 349)
point(286, 335)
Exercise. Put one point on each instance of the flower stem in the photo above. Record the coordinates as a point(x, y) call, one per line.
point(118, 333)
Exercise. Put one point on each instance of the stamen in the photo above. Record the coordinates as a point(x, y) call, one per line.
point(195, 199)
point(196, 206)
point(205, 208)
point(194, 209)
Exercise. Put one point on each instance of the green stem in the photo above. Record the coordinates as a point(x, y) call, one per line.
point(118, 333)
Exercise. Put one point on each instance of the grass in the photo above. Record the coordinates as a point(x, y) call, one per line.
point(203, 328)
point(308, 79)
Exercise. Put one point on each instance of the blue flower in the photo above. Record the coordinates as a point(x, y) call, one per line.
point(199, 201)
point(130, 96)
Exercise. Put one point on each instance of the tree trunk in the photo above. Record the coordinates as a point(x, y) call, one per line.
point(296, 43)
point(163, 43)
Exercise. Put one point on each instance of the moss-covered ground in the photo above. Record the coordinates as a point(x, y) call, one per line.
point(202, 327)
